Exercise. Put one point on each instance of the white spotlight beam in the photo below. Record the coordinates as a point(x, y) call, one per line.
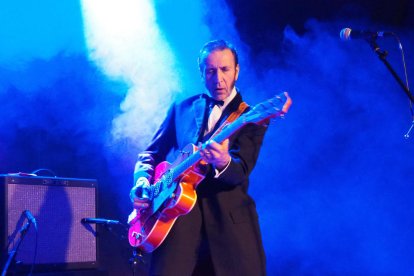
point(124, 40)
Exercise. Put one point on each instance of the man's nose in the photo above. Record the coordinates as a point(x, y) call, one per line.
point(219, 76)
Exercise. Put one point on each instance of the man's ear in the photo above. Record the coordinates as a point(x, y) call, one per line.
point(237, 72)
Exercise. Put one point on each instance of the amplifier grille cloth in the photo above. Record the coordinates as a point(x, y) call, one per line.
point(58, 211)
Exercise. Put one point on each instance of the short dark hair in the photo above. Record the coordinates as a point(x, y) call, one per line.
point(216, 45)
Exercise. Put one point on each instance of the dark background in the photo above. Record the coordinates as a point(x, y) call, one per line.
point(334, 181)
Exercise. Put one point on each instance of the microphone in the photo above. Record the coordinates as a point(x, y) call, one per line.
point(30, 217)
point(348, 34)
point(99, 221)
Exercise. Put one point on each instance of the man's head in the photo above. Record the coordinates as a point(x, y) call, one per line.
point(219, 68)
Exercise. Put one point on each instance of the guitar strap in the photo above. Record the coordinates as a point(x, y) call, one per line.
point(232, 117)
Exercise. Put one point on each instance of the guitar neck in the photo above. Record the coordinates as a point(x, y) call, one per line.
point(228, 130)
point(274, 107)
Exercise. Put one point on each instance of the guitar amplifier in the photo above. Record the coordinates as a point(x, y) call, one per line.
point(58, 205)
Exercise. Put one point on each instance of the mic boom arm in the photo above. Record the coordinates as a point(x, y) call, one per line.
point(383, 57)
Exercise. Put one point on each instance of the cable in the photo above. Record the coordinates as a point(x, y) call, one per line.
point(52, 173)
point(404, 65)
point(407, 135)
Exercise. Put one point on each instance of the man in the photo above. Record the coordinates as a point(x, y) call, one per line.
point(220, 235)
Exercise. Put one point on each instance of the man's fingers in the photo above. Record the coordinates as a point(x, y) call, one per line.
point(215, 147)
point(226, 143)
point(213, 152)
point(139, 204)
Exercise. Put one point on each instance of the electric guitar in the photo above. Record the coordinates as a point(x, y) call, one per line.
point(174, 188)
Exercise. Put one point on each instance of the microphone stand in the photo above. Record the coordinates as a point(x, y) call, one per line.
point(135, 259)
point(137, 256)
point(383, 57)
point(13, 252)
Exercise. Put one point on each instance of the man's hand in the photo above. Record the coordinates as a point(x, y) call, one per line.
point(216, 154)
point(140, 194)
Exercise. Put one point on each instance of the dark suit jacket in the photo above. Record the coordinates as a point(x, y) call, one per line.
point(225, 215)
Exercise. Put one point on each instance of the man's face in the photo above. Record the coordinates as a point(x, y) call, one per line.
point(220, 73)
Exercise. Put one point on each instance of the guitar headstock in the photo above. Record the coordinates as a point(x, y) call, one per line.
point(272, 108)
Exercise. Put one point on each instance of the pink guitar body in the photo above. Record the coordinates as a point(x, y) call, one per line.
point(148, 230)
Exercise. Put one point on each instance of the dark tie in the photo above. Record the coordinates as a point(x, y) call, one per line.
point(214, 102)
point(215, 113)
